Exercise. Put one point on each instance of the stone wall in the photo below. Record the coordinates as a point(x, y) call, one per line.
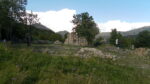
point(73, 39)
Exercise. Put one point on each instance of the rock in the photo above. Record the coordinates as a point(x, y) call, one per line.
point(90, 52)
point(141, 51)
point(57, 42)
point(110, 56)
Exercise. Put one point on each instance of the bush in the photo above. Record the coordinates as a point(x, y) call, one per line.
point(143, 39)
point(98, 42)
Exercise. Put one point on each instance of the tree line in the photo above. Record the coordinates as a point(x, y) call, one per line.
point(140, 40)
point(11, 13)
point(16, 24)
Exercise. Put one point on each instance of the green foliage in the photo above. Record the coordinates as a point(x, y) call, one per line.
point(85, 26)
point(143, 39)
point(13, 27)
point(114, 36)
point(65, 37)
point(123, 42)
point(11, 12)
point(98, 42)
point(41, 34)
point(22, 66)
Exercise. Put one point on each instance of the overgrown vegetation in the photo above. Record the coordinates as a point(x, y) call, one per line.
point(123, 42)
point(141, 40)
point(23, 66)
point(58, 64)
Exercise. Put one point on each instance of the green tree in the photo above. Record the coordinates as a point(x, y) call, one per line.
point(11, 12)
point(123, 42)
point(98, 41)
point(85, 26)
point(113, 37)
point(143, 39)
point(30, 19)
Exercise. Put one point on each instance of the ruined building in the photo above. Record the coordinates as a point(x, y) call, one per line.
point(73, 39)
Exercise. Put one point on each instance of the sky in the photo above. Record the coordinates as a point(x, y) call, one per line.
point(108, 14)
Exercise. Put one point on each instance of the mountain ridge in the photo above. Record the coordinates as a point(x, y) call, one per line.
point(41, 26)
point(132, 32)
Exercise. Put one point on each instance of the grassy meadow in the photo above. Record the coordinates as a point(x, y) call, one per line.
point(24, 65)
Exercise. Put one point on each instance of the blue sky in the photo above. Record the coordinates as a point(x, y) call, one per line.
point(131, 11)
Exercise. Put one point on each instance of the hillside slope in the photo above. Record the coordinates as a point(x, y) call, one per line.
point(133, 32)
point(40, 26)
point(62, 33)
point(41, 32)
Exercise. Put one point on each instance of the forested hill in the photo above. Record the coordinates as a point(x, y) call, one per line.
point(136, 31)
point(41, 32)
point(133, 32)
point(40, 26)
point(38, 32)
point(63, 33)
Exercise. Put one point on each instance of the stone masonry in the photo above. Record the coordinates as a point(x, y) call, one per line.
point(73, 39)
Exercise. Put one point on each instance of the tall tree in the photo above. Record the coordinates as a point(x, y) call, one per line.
point(11, 11)
point(85, 26)
point(113, 37)
point(30, 19)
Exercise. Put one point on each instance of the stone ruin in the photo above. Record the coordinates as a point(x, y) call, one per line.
point(141, 52)
point(74, 39)
point(93, 52)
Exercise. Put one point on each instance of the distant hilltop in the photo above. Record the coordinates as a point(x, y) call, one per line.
point(62, 33)
point(133, 32)
point(40, 26)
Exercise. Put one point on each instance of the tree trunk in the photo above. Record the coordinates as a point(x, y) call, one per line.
point(29, 36)
point(11, 32)
point(0, 33)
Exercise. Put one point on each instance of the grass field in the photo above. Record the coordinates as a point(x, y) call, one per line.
point(23, 65)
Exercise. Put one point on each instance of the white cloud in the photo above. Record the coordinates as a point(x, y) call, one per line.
point(61, 20)
point(121, 25)
point(57, 20)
